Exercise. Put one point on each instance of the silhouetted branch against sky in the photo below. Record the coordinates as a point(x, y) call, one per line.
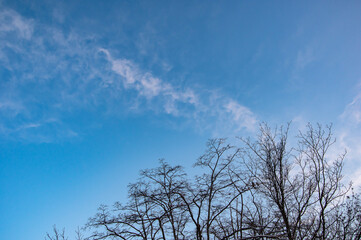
point(260, 188)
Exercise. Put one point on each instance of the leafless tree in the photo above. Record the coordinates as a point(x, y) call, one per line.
point(213, 194)
point(60, 234)
point(347, 219)
point(154, 209)
point(302, 185)
point(165, 183)
point(136, 220)
point(57, 234)
point(263, 189)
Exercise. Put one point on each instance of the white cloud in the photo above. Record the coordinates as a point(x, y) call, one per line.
point(356, 178)
point(11, 21)
point(241, 115)
point(349, 138)
point(352, 111)
point(304, 58)
point(223, 110)
point(54, 74)
point(11, 106)
point(144, 82)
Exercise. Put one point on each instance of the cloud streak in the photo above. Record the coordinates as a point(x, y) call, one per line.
point(187, 102)
point(51, 74)
point(349, 138)
point(12, 22)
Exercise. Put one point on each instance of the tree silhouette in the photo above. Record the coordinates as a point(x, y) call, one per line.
point(260, 189)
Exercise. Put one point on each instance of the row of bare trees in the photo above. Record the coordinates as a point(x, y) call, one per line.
point(262, 189)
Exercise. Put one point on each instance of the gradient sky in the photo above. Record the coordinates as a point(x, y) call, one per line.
point(93, 91)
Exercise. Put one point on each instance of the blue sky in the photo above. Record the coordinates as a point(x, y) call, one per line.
point(93, 91)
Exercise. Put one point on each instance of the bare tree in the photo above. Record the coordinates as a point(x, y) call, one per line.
point(347, 219)
point(264, 189)
point(165, 183)
point(302, 185)
point(136, 220)
point(57, 234)
point(60, 234)
point(213, 192)
point(154, 208)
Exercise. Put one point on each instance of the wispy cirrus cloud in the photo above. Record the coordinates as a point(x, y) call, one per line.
point(51, 74)
point(349, 138)
point(352, 112)
point(241, 115)
point(12, 22)
point(149, 86)
point(304, 57)
point(190, 103)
